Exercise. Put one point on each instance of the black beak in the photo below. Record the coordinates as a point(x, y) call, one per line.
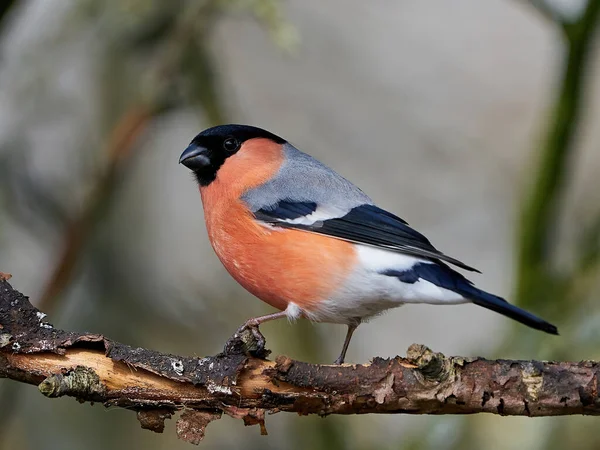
point(195, 157)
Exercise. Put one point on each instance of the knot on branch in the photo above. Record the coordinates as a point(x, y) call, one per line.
point(82, 382)
point(435, 366)
point(249, 341)
point(432, 365)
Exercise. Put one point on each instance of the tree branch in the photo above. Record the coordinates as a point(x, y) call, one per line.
point(91, 367)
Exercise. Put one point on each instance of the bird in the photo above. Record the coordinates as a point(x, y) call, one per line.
point(305, 240)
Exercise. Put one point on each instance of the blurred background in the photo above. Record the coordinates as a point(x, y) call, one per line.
point(474, 121)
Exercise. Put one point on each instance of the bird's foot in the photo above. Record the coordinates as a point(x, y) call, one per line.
point(247, 340)
point(339, 361)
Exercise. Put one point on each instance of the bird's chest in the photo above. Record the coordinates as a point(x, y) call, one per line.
point(240, 243)
point(277, 265)
point(252, 255)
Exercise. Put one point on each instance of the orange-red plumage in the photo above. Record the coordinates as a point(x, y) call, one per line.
point(277, 265)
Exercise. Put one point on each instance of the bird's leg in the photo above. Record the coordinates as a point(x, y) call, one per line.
point(249, 339)
point(351, 328)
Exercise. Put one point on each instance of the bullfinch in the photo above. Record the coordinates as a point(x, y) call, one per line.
point(313, 245)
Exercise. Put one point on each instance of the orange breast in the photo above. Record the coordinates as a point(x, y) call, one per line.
point(277, 265)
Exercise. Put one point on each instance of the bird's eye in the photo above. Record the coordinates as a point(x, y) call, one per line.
point(231, 144)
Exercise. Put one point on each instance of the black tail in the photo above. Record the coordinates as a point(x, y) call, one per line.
point(501, 306)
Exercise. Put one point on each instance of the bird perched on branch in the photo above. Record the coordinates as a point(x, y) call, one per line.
point(310, 243)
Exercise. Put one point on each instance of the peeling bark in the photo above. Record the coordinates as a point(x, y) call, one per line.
point(91, 367)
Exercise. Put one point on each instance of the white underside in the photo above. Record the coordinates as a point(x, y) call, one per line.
point(367, 292)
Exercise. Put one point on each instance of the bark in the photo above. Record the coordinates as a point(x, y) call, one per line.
point(91, 367)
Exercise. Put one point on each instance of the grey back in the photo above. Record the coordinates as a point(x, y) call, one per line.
point(302, 178)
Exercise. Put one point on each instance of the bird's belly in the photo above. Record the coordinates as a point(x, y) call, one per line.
point(364, 294)
point(282, 266)
point(368, 291)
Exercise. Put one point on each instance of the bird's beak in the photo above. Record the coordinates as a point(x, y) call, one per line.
point(195, 157)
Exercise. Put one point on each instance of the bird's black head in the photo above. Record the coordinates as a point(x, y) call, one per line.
point(208, 151)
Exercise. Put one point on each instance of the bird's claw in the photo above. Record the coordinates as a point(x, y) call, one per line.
point(247, 340)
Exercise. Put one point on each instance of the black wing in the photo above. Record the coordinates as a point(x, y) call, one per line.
point(365, 224)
